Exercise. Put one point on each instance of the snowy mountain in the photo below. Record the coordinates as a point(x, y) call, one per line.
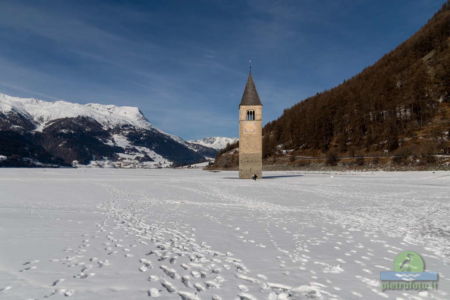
point(43, 112)
point(209, 147)
point(217, 143)
point(40, 133)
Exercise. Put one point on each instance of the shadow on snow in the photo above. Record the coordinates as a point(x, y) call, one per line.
point(269, 177)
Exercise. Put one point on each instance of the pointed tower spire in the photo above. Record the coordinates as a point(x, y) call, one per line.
point(250, 96)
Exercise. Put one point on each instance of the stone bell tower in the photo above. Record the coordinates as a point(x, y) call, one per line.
point(250, 132)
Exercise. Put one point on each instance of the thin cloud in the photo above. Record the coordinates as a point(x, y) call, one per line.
point(184, 63)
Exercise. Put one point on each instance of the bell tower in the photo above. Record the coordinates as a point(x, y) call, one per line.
point(250, 132)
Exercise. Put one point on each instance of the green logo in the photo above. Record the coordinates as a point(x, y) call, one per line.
point(409, 261)
point(409, 274)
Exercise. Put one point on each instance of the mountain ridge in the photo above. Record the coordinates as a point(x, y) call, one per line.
point(43, 112)
point(34, 132)
point(215, 142)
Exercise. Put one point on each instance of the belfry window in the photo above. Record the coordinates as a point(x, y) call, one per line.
point(250, 115)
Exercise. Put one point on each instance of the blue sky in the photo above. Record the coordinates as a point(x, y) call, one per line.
point(185, 63)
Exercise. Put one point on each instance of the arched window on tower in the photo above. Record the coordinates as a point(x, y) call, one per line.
point(250, 115)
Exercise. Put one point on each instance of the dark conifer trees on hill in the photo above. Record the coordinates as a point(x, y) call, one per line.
point(396, 98)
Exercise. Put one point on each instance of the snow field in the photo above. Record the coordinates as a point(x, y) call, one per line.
point(192, 234)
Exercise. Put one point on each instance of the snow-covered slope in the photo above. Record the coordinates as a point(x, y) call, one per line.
point(217, 143)
point(68, 133)
point(43, 112)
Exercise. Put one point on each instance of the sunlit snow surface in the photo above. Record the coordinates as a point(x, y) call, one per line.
point(192, 234)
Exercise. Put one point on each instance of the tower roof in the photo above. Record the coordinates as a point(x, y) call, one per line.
point(250, 96)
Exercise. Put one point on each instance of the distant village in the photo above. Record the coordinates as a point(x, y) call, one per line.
point(133, 164)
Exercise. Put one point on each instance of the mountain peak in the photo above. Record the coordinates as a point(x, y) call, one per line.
point(43, 112)
point(217, 143)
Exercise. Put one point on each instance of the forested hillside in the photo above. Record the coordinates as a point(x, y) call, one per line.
point(399, 106)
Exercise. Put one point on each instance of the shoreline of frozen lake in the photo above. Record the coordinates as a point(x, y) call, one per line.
point(193, 234)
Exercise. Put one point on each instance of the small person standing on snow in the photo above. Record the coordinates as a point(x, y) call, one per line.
point(254, 177)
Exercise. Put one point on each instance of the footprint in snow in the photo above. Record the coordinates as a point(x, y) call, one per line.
point(186, 280)
point(154, 292)
point(245, 296)
point(243, 288)
point(69, 293)
point(168, 286)
point(143, 268)
point(199, 287)
point(6, 288)
point(188, 296)
point(29, 268)
point(58, 281)
point(31, 262)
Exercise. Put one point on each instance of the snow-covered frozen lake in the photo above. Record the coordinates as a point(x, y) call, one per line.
point(192, 234)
